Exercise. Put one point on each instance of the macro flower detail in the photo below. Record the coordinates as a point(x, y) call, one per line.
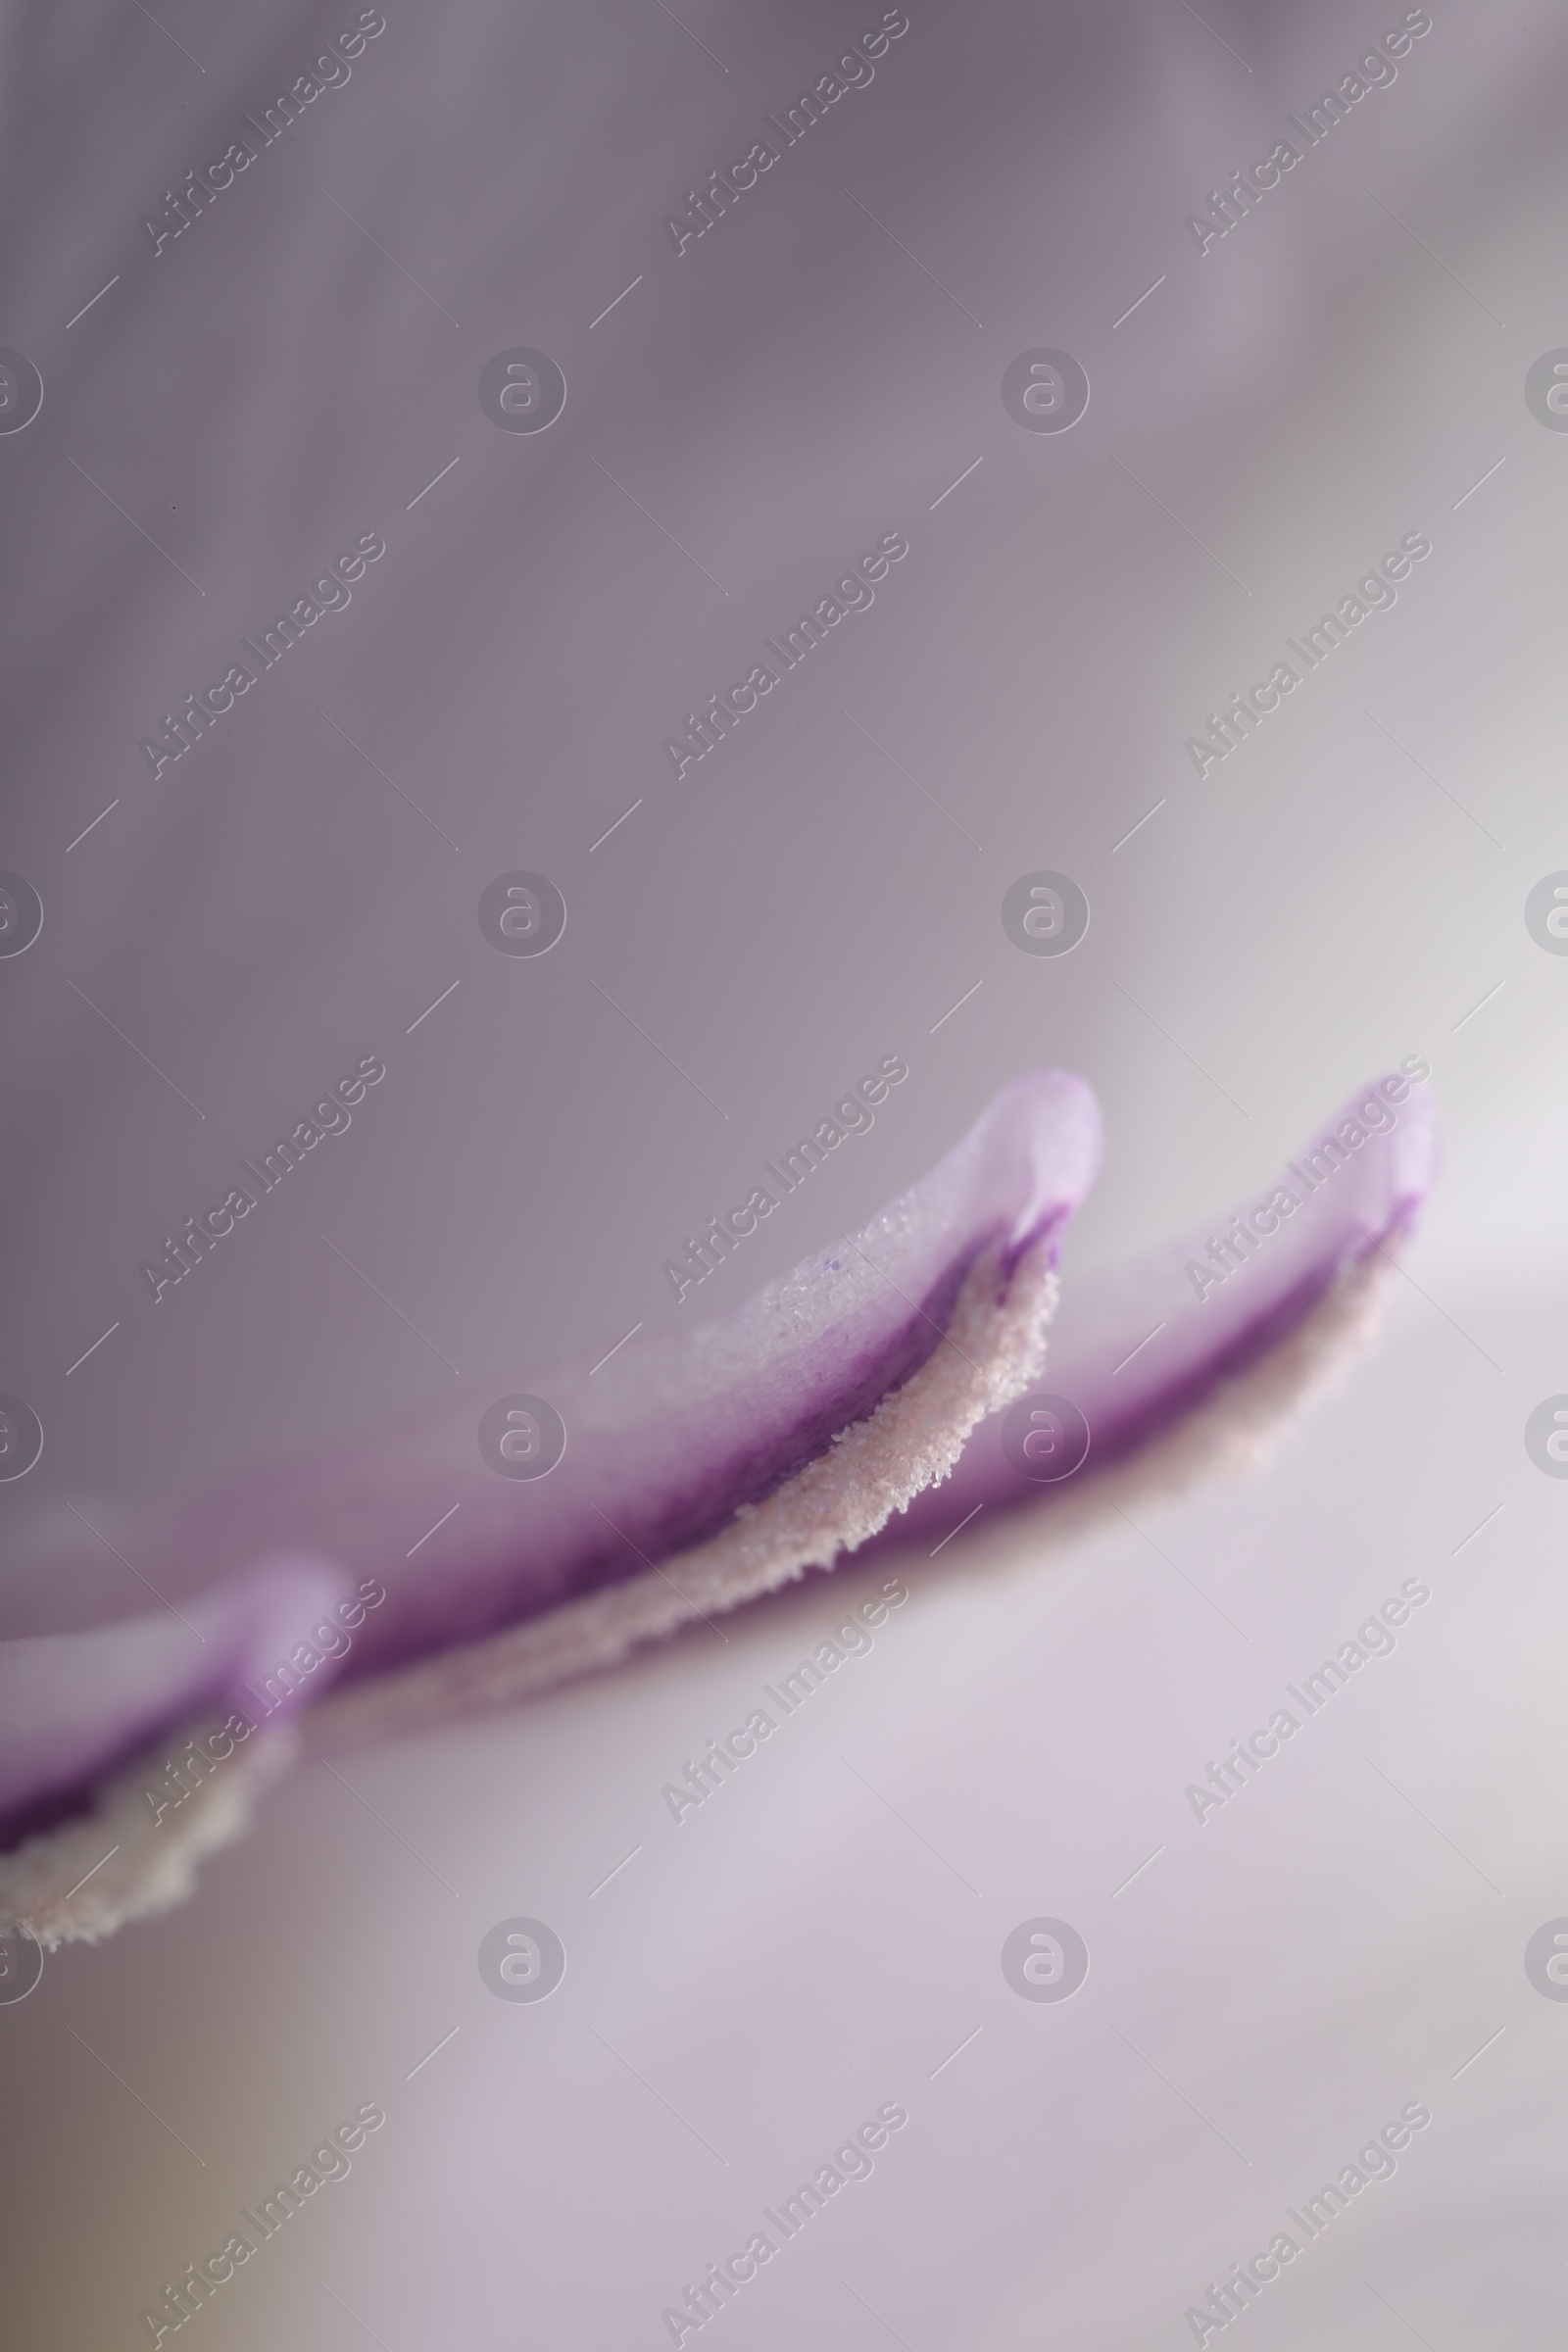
point(866, 1398)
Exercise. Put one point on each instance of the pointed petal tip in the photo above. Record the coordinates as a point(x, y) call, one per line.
point(1137, 1348)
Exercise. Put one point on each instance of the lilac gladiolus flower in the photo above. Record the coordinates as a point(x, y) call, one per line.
point(909, 1360)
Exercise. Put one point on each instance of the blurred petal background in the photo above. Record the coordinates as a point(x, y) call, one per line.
point(299, 369)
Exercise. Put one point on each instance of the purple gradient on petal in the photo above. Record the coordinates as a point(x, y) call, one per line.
point(1130, 1386)
point(660, 1450)
point(667, 1441)
point(73, 1706)
point(660, 1455)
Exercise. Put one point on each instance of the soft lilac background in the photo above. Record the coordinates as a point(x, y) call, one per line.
point(273, 384)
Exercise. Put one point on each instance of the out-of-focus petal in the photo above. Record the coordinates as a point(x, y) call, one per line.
point(72, 1705)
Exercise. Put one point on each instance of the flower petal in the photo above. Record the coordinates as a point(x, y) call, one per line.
point(706, 1469)
point(669, 1439)
point(1147, 1351)
point(820, 1405)
point(74, 1705)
